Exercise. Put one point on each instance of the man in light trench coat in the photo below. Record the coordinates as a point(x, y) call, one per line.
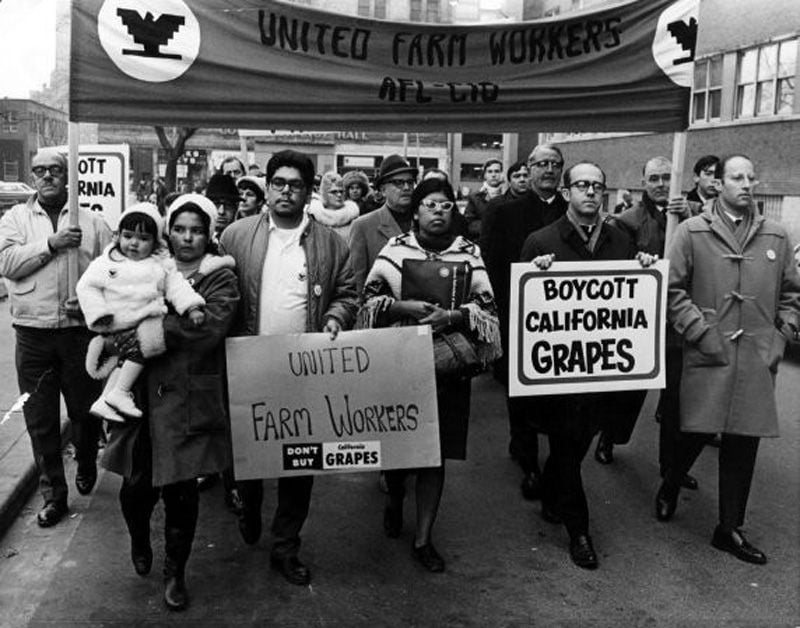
point(734, 294)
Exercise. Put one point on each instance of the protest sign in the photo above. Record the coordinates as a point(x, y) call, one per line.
point(587, 327)
point(103, 179)
point(302, 403)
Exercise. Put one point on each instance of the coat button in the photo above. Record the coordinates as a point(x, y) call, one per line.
point(771, 255)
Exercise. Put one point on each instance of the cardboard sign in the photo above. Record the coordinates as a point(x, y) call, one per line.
point(103, 180)
point(301, 403)
point(587, 327)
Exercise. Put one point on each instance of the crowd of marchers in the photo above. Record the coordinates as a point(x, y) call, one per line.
point(139, 341)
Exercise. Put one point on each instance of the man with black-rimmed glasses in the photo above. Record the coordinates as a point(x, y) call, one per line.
point(294, 277)
point(51, 335)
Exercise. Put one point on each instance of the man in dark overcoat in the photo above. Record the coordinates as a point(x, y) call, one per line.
point(580, 235)
point(505, 234)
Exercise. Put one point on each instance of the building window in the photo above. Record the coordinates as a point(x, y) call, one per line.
point(765, 80)
point(380, 9)
point(432, 11)
point(364, 8)
point(480, 140)
point(415, 11)
point(471, 172)
point(707, 98)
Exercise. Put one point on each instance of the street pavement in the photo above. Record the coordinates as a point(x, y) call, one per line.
point(505, 565)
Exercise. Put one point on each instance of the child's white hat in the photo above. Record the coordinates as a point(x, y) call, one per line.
point(148, 209)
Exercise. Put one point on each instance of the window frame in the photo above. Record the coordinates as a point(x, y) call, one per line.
point(707, 91)
point(749, 94)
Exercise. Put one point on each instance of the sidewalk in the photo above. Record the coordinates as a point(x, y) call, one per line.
point(18, 477)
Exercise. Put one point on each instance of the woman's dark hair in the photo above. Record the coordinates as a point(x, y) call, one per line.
point(136, 221)
point(429, 186)
point(211, 245)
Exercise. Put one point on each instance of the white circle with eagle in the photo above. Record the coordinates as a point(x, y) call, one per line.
point(150, 40)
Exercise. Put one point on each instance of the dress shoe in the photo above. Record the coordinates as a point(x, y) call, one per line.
point(531, 487)
point(233, 501)
point(428, 557)
point(85, 479)
point(176, 597)
point(393, 520)
point(250, 526)
point(292, 569)
point(604, 453)
point(582, 551)
point(666, 502)
point(550, 515)
point(141, 556)
point(51, 514)
point(734, 543)
point(688, 482)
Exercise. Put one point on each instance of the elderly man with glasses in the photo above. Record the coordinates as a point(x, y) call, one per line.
point(370, 233)
point(501, 244)
point(36, 238)
point(294, 277)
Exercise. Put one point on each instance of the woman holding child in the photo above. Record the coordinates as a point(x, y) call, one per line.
point(184, 431)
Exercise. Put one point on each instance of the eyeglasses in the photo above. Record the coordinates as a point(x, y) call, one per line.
point(279, 184)
point(445, 206)
point(54, 170)
point(655, 178)
point(582, 186)
point(544, 163)
point(403, 183)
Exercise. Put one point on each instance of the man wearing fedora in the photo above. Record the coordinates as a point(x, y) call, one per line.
point(368, 235)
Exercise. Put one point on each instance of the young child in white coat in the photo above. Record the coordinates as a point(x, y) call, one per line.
point(127, 288)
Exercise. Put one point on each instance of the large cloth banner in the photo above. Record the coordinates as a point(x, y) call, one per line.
point(587, 327)
point(303, 404)
point(268, 64)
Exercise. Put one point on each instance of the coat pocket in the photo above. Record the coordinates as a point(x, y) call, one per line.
point(776, 350)
point(207, 412)
point(710, 350)
point(22, 287)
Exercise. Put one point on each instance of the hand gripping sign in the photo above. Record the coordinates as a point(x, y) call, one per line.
point(303, 404)
point(587, 327)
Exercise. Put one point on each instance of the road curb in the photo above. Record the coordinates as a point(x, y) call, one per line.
point(19, 477)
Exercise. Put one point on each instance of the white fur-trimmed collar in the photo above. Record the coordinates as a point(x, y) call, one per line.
point(210, 263)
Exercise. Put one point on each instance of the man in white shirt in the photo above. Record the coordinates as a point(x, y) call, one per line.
point(295, 276)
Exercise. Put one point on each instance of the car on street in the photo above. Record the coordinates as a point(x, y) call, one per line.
point(13, 192)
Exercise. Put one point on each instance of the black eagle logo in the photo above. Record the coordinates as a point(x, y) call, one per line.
point(150, 33)
point(686, 36)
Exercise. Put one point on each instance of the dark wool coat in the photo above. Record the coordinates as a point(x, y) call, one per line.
point(183, 391)
point(614, 411)
point(729, 301)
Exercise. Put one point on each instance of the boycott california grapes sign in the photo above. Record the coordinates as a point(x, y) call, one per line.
point(580, 327)
point(302, 403)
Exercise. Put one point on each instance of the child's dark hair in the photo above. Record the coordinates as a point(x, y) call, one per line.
point(137, 221)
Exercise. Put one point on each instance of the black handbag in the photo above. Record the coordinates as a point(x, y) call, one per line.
point(454, 356)
point(447, 285)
